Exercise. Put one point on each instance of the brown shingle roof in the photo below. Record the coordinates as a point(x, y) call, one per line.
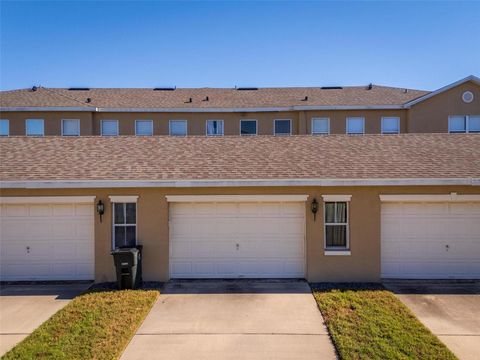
point(217, 97)
point(261, 157)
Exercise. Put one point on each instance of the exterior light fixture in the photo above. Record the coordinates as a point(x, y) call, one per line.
point(314, 208)
point(100, 209)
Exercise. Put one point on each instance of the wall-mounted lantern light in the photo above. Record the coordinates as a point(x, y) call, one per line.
point(100, 209)
point(314, 208)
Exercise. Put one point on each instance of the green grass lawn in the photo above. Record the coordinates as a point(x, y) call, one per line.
point(369, 322)
point(97, 325)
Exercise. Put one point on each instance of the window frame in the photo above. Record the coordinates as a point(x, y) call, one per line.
point(256, 127)
point(62, 127)
point(282, 134)
point(336, 250)
point(320, 133)
point(178, 120)
point(466, 118)
point(7, 121)
point(390, 132)
point(26, 127)
point(124, 225)
point(110, 120)
point(351, 118)
point(144, 120)
point(219, 120)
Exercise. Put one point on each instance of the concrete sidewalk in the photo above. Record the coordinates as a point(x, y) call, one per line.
point(23, 308)
point(246, 319)
point(450, 309)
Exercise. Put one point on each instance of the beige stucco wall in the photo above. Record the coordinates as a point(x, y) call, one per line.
point(431, 115)
point(52, 121)
point(152, 222)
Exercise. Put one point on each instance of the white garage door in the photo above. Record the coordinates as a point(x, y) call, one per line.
point(236, 239)
point(47, 239)
point(431, 240)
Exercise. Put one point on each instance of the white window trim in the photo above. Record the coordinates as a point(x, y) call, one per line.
point(26, 128)
point(8, 127)
point(177, 120)
point(256, 127)
point(151, 123)
point(332, 249)
point(124, 225)
point(123, 198)
point(330, 252)
point(206, 127)
point(78, 120)
point(467, 124)
point(101, 127)
point(283, 134)
point(320, 133)
point(390, 117)
point(355, 117)
point(336, 198)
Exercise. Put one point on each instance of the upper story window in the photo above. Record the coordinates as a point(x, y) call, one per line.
point(4, 127)
point(109, 127)
point(248, 127)
point(178, 127)
point(214, 127)
point(320, 126)
point(390, 125)
point(70, 127)
point(464, 124)
point(143, 127)
point(34, 127)
point(355, 125)
point(282, 127)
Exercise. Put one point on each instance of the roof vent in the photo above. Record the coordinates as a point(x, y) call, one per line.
point(88, 100)
point(78, 89)
point(246, 88)
point(189, 100)
point(370, 86)
point(405, 91)
point(165, 88)
point(206, 98)
point(331, 88)
point(305, 98)
point(34, 88)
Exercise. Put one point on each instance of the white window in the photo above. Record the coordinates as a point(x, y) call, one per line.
point(144, 127)
point(464, 124)
point(109, 127)
point(178, 127)
point(70, 127)
point(4, 127)
point(282, 127)
point(336, 225)
point(124, 225)
point(390, 125)
point(214, 127)
point(355, 125)
point(34, 127)
point(248, 127)
point(320, 126)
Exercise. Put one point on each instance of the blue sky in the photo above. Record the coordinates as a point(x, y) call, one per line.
point(222, 44)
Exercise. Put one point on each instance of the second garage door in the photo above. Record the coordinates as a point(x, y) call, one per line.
point(237, 239)
point(437, 240)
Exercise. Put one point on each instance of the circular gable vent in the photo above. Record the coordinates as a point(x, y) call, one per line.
point(467, 96)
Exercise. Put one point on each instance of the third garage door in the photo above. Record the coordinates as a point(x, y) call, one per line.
point(237, 239)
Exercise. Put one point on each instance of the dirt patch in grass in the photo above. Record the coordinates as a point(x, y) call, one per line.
point(368, 322)
point(96, 325)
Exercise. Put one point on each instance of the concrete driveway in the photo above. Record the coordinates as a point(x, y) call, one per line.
point(451, 310)
point(246, 319)
point(24, 307)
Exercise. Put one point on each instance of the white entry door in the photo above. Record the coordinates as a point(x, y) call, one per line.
point(237, 239)
point(431, 240)
point(47, 238)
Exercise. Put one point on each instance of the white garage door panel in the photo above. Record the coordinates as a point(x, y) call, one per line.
point(47, 241)
point(204, 238)
point(415, 238)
